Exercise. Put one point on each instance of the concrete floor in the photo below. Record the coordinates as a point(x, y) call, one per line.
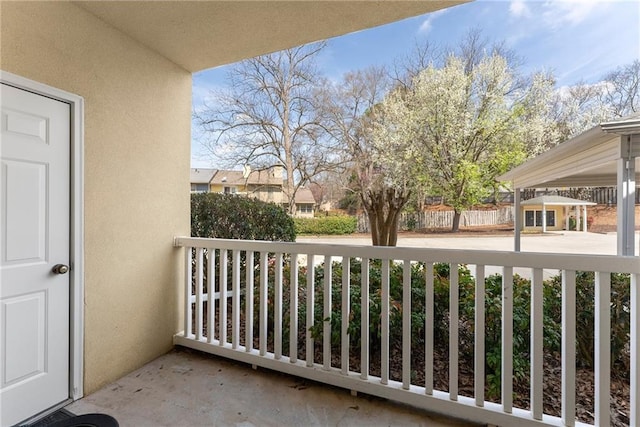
point(187, 388)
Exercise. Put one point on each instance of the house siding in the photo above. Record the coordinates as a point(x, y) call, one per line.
point(136, 154)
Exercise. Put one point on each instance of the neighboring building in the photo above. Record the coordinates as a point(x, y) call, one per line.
point(305, 203)
point(266, 185)
point(553, 213)
point(201, 180)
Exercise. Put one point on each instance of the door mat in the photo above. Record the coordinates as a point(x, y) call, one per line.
point(59, 415)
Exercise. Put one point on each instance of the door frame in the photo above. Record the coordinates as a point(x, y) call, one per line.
point(76, 226)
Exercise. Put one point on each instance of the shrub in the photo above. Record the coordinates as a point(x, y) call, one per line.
point(585, 315)
point(326, 225)
point(229, 216)
point(552, 308)
point(441, 302)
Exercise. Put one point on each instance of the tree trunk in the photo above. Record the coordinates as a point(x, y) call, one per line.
point(383, 210)
point(456, 221)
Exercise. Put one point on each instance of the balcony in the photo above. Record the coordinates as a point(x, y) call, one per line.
point(271, 319)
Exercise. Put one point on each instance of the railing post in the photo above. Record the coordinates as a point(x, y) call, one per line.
point(536, 345)
point(428, 329)
point(384, 327)
point(277, 315)
point(406, 324)
point(310, 310)
point(479, 336)
point(634, 411)
point(222, 308)
point(364, 322)
point(507, 340)
point(235, 301)
point(568, 348)
point(293, 307)
point(346, 314)
point(454, 295)
point(264, 281)
point(602, 348)
point(326, 324)
point(211, 291)
point(188, 278)
point(199, 280)
point(249, 300)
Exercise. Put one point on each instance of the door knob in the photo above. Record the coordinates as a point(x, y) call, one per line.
point(60, 269)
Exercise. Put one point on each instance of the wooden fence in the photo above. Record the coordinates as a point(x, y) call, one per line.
point(444, 219)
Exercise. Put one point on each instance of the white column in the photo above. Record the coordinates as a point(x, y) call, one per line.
point(517, 219)
point(626, 199)
point(544, 218)
point(584, 218)
point(567, 211)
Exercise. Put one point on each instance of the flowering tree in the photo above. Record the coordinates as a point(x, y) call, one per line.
point(463, 124)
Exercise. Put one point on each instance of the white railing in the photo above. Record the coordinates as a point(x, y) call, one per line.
point(254, 298)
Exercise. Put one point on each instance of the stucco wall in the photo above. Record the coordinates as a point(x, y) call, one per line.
point(137, 142)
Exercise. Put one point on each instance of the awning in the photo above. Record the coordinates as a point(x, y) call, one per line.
point(586, 160)
point(607, 155)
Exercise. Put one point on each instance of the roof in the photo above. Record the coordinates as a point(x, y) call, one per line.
point(588, 159)
point(555, 201)
point(263, 177)
point(201, 176)
point(304, 196)
point(197, 35)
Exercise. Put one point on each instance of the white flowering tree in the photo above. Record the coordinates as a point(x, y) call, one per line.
point(463, 124)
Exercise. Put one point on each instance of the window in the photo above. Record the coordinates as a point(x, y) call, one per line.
point(200, 188)
point(230, 190)
point(533, 218)
point(529, 219)
point(305, 208)
point(551, 218)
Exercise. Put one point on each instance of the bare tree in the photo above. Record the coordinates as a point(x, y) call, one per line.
point(269, 116)
point(622, 90)
point(577, 108)
point(383, 186)
point(583, 105)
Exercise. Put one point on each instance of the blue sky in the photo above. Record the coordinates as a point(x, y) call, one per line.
point(577, 40)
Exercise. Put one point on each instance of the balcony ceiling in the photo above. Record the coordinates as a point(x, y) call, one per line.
point(203, 34)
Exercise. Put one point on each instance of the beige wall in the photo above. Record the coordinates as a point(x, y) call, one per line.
point(559, 215)
point(137, 143)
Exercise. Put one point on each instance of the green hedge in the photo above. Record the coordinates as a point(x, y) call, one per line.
point(326, 225)
point(228, 216)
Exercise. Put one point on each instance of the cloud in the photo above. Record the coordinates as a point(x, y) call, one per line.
point(566, 12)
point(519, 9)
point(427, 24)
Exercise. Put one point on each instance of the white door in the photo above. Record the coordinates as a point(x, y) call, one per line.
point(34, 221)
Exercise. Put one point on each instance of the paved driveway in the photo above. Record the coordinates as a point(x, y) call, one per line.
point(566, 242)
